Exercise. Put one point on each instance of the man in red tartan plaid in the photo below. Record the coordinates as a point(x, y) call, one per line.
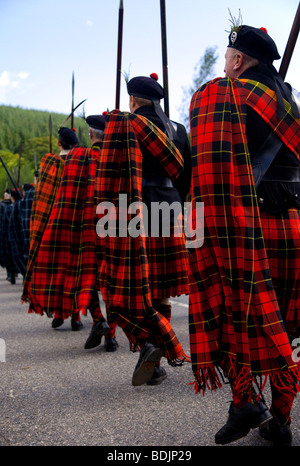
point(244, 279)
point(140, 164)
point(61, 277)
point(145, 94)
point(96, 125)
point(67, 139)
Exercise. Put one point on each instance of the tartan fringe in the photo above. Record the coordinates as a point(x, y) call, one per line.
point(36, 308)
point(135, 346)
point(287, 381)
point(173, 361)
point(212, 377)
point(138, 332)
point(136, 343)
point(178, 361)
point(207, 378)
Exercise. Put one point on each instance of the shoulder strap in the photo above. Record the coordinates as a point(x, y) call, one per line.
point(265, 156)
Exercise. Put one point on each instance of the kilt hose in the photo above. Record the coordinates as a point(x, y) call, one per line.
point(237, 327)
point(138, 270)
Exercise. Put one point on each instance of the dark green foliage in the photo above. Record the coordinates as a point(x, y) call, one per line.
point(27, 132)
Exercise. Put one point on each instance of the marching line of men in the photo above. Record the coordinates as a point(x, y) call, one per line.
point(15, 212)
point(243, 280)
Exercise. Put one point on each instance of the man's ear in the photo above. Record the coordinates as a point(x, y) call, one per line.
point(238, 61)
point(132, 101)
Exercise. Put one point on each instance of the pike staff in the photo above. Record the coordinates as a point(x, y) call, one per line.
point(35, 162)
point(72, 107)
point(72, 113)
point(10, 176)
point(164, 55)
point(119, 54)
point(50, 133)
point(19, 165)
point(290, 44)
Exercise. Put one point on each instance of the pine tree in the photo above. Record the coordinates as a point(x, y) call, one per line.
point(203, 72)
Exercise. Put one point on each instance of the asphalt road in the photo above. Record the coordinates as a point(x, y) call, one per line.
point(55, 393)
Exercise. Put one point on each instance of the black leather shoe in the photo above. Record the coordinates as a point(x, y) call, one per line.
point(57, 322)
point(111, 345)
point(241, 420)
point(149, 356)
point(158, 376)
point(277, 434)
point(76, 325)
point(98, 330)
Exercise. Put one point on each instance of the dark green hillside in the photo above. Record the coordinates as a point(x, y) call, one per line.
point(26, 132)
point(17, 125)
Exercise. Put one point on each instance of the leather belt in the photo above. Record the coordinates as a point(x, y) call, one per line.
point(282, 173)
point(159, 181)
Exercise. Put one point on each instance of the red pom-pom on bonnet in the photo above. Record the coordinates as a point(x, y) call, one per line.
point(264, 29)
point(154, 76)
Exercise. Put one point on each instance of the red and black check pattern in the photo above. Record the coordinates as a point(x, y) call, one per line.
point(64, 268)
point(262, 100)
point(130, 261)
point(282, 242)
point(235, 321)
point(43, 200)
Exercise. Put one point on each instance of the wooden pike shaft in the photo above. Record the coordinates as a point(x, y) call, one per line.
point(19, 165)
point(290, 45)
point(72, 109)
point(164, 55)
point(119, 54)
point(9, 175)
point(50, 134)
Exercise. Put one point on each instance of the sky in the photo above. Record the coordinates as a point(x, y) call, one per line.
point(43, 42)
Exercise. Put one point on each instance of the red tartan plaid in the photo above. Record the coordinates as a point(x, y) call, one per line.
point(262, 100)
point(168, 266)
point(128, 291)
point(44, 196)
point(235, 321)
point(282, 241)
point(64, 271)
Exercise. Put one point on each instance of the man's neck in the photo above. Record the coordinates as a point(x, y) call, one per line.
point(96, 142)
point(64, 151)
